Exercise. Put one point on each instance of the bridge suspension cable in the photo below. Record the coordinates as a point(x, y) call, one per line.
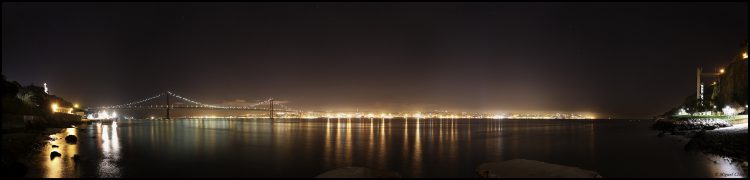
point(194, 102)
point(134, 103)
point(208, 105)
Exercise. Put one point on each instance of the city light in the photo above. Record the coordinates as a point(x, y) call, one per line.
point(443, 114)
point(729, 111)
point(744, 55)
point(721, 71)
point(54, 107)
point(103, 114)
point(75, 105)
point(682, 112)
point(432, 115)
point(437, 114)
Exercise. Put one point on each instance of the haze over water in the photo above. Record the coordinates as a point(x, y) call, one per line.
point(414, 148)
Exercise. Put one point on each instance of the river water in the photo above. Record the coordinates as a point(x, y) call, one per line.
point(413, 147)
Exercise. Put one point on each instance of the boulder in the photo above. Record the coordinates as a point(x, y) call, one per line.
point(71, 139)
point(358, 172)
point(523, 168)
point(54, 154)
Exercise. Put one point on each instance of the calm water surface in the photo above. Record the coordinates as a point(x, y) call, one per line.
point(413, 147)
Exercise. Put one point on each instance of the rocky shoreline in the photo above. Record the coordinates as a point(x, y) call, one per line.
point(690, 124)
point(730, 142)
point(712, 136)
point(19, 147)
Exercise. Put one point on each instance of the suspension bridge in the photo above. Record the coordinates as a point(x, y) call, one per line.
point(269, 105)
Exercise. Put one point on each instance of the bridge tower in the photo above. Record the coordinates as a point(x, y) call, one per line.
point(168, 106)
point(270, 110)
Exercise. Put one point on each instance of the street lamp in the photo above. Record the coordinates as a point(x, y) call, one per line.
point(721, 71)
point(54, 107)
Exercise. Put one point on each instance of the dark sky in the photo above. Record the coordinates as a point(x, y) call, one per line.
point(618, 60)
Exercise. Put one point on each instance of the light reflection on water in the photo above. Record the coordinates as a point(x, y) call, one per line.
point(414, 148)
point(62, 166)
point(110, 148)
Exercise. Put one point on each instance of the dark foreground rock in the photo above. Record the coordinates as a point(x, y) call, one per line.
point(523, 168)
point(358, 172)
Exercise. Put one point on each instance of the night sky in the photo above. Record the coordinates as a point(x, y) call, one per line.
point(617, 60)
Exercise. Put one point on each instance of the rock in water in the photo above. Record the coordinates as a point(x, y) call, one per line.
point(71, 139)
point(54, 154)
point(523, 168)
point(358, 172)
